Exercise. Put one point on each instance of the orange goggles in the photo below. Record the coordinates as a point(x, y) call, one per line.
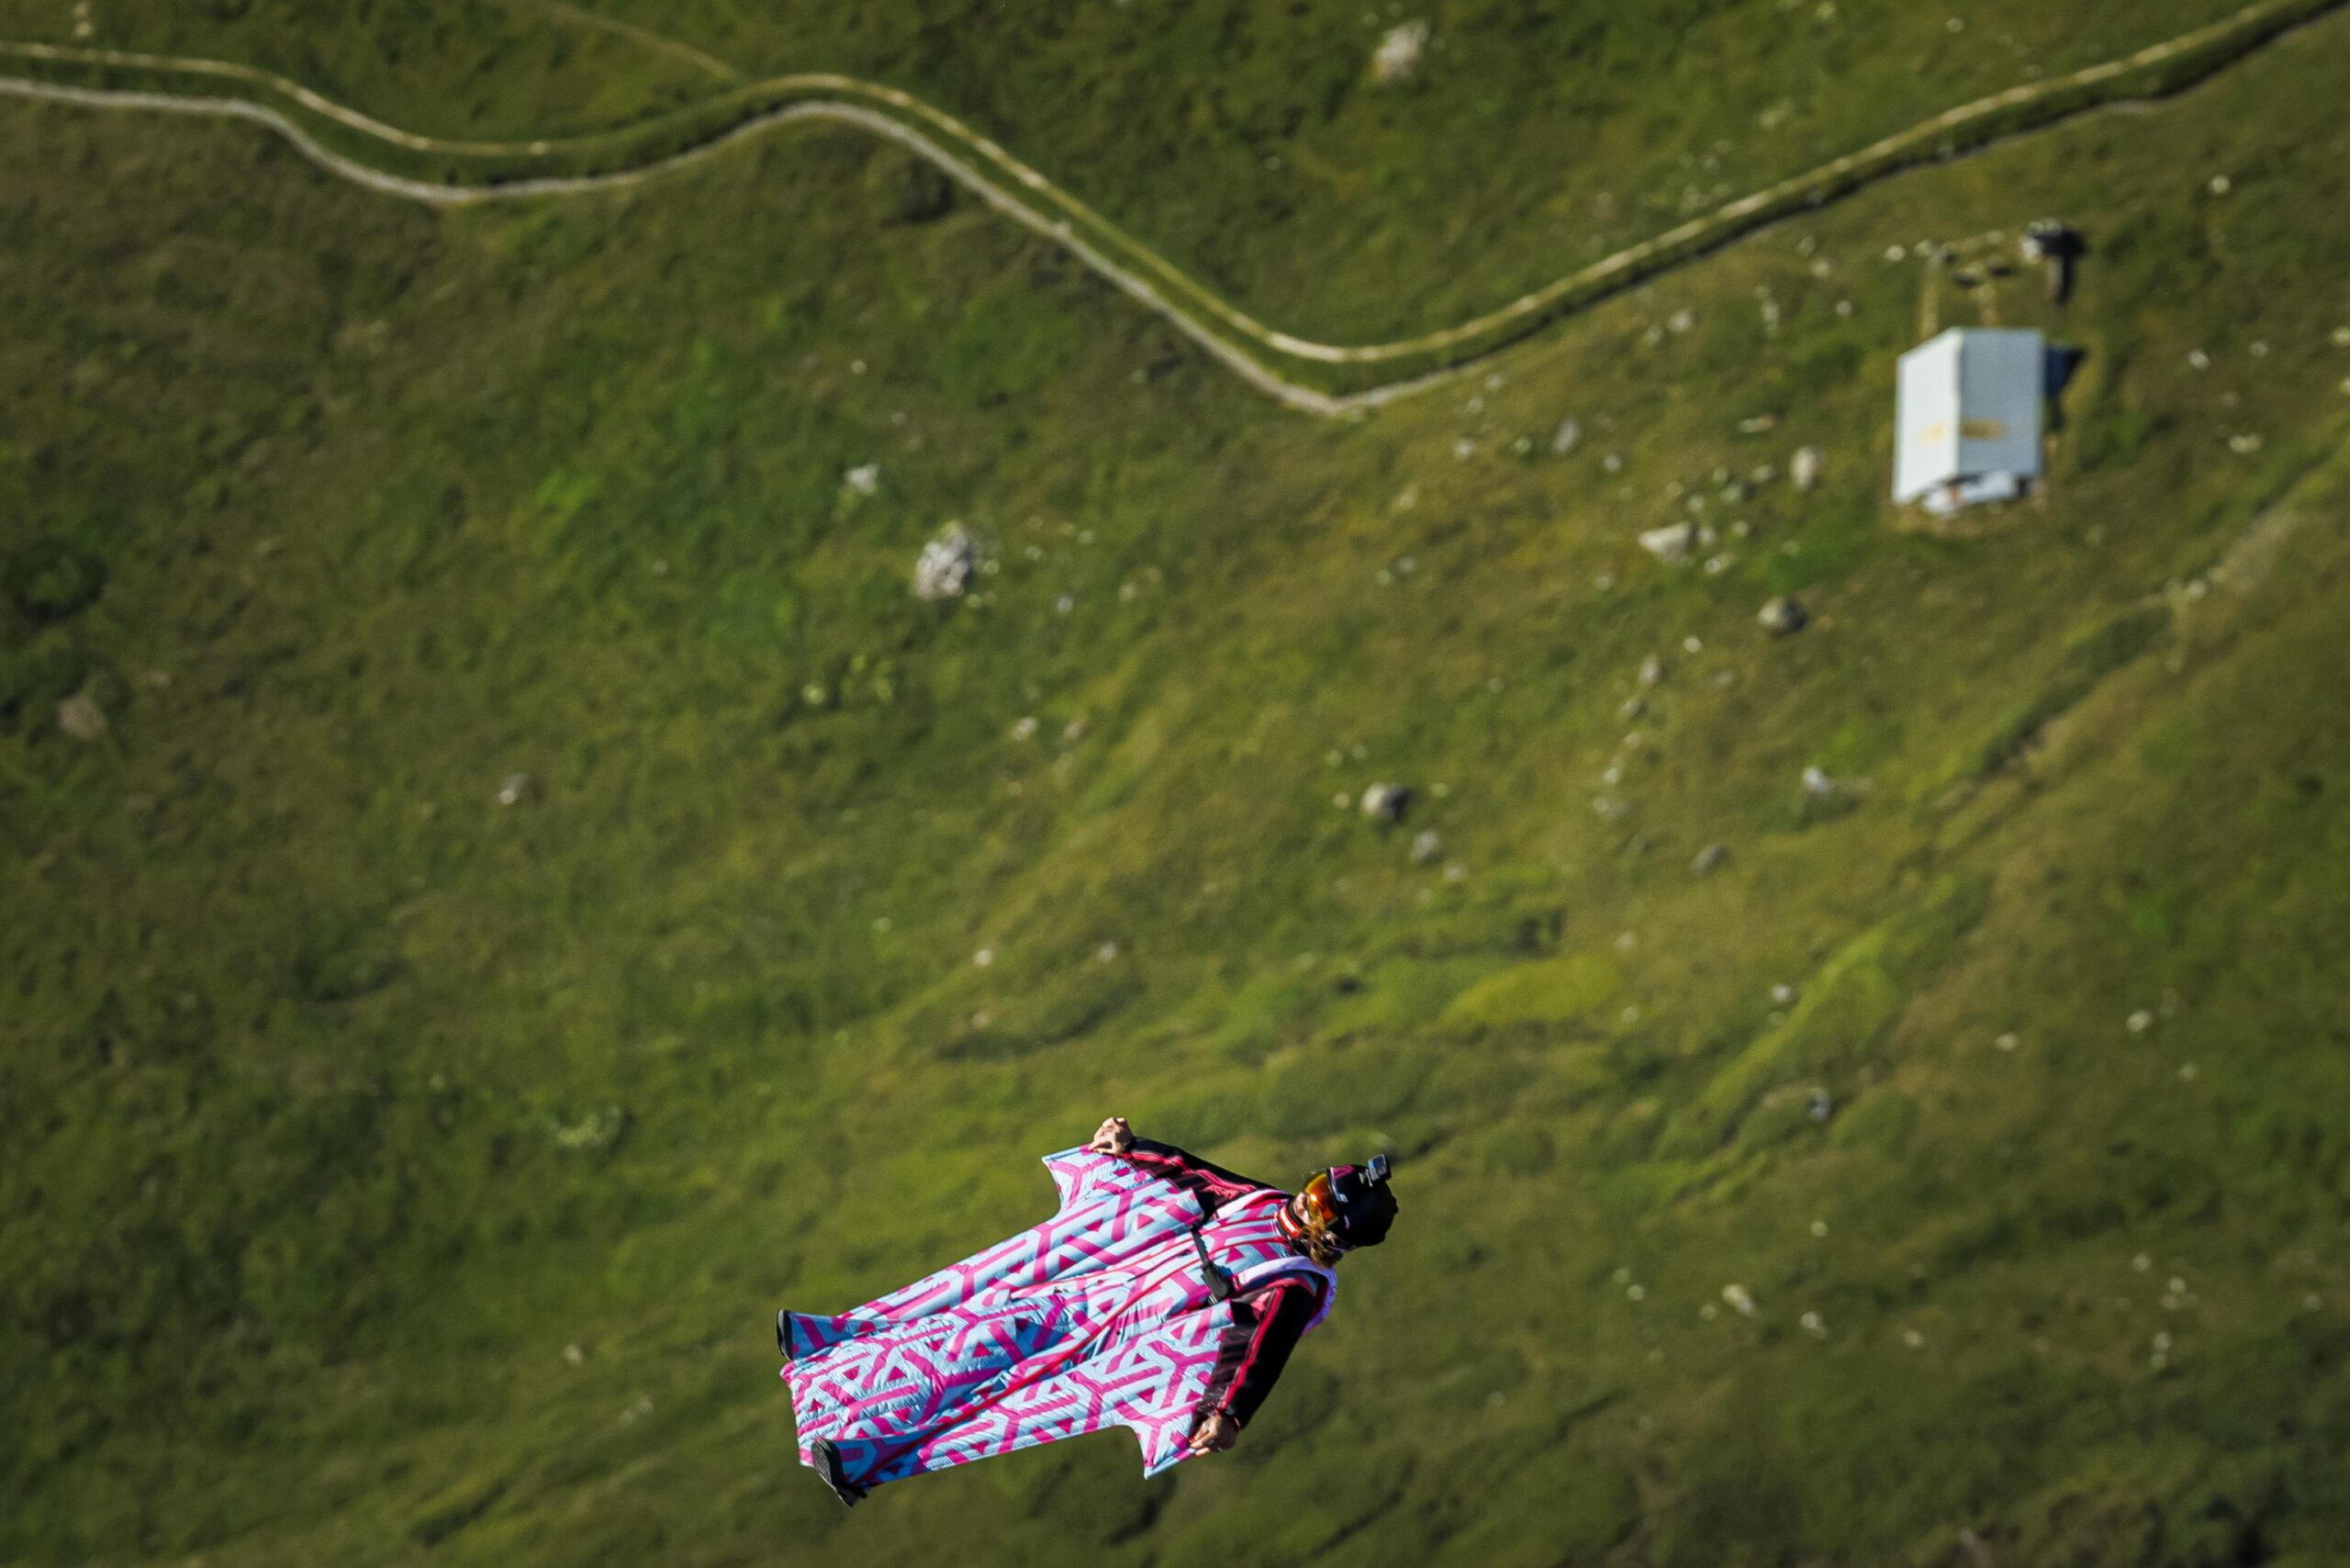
point(1319, 1200)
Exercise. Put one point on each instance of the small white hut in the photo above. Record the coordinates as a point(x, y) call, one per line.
point(1969, 421)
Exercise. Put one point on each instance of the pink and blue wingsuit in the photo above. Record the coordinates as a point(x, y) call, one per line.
point(1100, 1316)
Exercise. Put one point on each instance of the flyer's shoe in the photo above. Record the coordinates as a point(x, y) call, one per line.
point(828, 1465)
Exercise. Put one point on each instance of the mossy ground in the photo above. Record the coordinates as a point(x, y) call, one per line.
point(1249, 143)
point(342, 1103)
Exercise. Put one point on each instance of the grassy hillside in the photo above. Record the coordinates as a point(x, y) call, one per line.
point(395, 1173)
point(1252, 144)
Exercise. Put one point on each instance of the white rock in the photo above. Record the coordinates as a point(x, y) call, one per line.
point(514, 788)
point(1386, 802)
point(1398, 54)
point(1804, 467)
point(1568, 437)
point(864, 479)
point(944, 567)
point(1425, 847)
point(1026, 729)
point(1670, 543)
point(1740, 1299)
point(81, 717)
point(1783, 615)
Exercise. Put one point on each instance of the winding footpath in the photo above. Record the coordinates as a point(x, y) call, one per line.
point(453, 172)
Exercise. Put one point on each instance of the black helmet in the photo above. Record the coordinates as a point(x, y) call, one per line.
point(1366, 1201)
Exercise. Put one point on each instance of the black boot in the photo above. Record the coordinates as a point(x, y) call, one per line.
point(783, 1333)
point(828, 1466)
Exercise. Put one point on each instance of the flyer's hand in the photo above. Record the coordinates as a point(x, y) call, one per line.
point(1113, 1137)
point(1215, 1432)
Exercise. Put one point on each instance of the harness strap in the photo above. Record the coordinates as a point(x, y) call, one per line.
point(1219, 1283)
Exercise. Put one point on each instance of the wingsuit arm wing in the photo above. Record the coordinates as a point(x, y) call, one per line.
point(1212, 1184)
point(1265, 1325)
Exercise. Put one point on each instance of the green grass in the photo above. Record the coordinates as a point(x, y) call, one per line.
point(1250, 144)
point(341, 1101)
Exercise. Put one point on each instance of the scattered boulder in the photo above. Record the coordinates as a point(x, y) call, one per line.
point(1804, 467)
point(81, 717)
point(1823, 1106)
point(1651, 672)
point(1425, 847)
point(515, 788)
point(1398, 54)
point(946, 565)
point(1671, 543)
point(1783, 615)
point(1710, 859)
point(1568, 437)
point(865, 479)
point(1386, 802)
